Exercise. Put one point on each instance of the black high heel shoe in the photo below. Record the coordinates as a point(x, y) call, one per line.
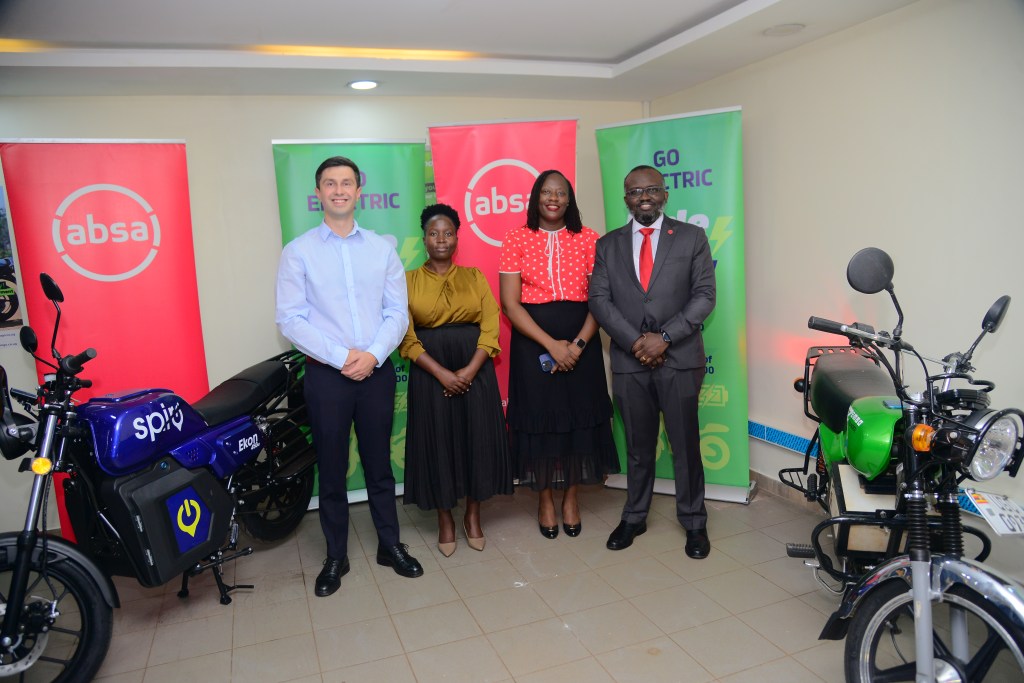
point(573, 530)
point(548, 531)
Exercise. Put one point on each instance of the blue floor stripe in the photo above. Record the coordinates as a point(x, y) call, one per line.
point(791, 442)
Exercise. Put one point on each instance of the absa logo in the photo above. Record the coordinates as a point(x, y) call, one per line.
point(497, 197)
point(106, 232)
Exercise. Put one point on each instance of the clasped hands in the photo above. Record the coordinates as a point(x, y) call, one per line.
point(565, 353)
point(650, 349)
point(359, 365)
point(456, 383)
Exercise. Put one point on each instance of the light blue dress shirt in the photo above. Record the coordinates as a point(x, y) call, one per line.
point(335, 294)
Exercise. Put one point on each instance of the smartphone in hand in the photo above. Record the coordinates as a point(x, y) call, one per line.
point(547, 363)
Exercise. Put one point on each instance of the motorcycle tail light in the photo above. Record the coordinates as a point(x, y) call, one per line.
point(922, 437)
point(996, 444)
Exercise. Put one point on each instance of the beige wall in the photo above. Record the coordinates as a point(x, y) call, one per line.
point(905, 133)
point(234, 199)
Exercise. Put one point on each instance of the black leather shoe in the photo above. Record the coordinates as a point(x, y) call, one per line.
point(329, 578)
point(572, 530)
point(624, 534)
point(698, 545)
point(398, 558)
point(548, 531)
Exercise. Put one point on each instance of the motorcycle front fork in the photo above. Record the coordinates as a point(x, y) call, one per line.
point(919, 548)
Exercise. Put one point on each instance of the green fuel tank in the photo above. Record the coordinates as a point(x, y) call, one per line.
point(866, 443)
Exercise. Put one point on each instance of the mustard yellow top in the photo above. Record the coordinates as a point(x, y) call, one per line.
point(461, 295)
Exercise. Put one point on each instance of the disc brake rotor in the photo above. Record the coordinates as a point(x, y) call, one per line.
point(23, 658)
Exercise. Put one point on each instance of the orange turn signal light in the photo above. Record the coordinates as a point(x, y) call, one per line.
point(922, 437)
point(41, 466)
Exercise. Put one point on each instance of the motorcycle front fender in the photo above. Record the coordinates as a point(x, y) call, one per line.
point(62, 551)
point(1003, 592)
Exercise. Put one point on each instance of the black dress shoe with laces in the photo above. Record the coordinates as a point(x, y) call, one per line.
point(698, 545)
point(329, 579)
point(624, 534)
point(398, 558)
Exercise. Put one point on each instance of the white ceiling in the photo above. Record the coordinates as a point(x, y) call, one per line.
point(557, 49)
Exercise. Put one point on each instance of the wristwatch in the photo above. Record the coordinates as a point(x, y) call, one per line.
point(581, 343)
point(665, 338)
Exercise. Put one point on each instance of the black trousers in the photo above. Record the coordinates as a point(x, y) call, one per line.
point(334, 403)
point(641, 398)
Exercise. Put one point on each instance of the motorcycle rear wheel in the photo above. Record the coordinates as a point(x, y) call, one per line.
point(72, 650)
point(278, 510)
point(880, 642)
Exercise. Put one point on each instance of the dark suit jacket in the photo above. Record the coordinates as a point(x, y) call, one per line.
point(680, 296)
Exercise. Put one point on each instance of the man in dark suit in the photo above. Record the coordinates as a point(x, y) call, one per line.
point(653, 285)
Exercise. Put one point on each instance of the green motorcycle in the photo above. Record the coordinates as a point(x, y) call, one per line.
point(886, 464)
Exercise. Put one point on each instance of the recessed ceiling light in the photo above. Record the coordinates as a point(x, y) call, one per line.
point(782, 30)
point(363, 85)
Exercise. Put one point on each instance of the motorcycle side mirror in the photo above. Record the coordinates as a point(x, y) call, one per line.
point(51, 289)
point(28, 339)
point(996, 313)
point(870, 271)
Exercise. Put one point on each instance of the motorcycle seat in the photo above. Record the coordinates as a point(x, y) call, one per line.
point(838, 380)
point(243, 393)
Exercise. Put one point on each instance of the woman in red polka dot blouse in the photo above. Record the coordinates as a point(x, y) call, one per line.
point(559, 418)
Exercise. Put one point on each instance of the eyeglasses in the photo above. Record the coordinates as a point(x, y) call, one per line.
point(547, 194)
point(637, 192)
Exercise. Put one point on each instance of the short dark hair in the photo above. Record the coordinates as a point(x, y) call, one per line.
point(573, 221)
point(642, 167)
point(338, 161)
point(435, 210)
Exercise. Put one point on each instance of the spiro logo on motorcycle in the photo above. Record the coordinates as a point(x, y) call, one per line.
point(151, 425)
point(496, 198)
point(189, 509)
point(190, 518)
point(106, 232)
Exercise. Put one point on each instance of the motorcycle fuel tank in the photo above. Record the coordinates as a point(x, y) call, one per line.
point(132, 429)
point(870, 427)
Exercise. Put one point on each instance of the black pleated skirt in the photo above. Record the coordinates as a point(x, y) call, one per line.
point(457, 446)
point(559, 424)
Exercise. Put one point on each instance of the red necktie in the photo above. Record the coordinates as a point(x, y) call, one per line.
point(646, 258)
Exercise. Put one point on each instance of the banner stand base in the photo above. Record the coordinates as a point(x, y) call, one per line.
point(729, 494)
point(354, 496)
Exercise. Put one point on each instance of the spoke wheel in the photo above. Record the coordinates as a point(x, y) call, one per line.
point(67, 649)
point(880, 643)
point(279, 507)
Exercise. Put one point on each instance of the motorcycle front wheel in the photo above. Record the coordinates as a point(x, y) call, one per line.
point(72, 649)
point(278, 507)
point(880, 642)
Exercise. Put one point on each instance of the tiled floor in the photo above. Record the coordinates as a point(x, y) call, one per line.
point(526, 609)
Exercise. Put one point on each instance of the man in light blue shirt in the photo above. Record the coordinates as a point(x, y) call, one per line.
point(341, 300)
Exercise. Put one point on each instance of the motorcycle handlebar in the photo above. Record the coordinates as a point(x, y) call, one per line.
point(849, 331)
point(72, 365)
point(824, 325)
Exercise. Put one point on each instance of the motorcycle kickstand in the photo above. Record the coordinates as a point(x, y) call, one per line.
point(216, 564)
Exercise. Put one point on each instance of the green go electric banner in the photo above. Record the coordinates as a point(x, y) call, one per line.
point(390, 205)
point(700, 156)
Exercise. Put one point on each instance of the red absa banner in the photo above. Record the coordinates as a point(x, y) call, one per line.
point(110, 222)
point(486, 171)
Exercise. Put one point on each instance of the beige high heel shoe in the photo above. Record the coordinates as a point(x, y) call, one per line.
point(448, 549)
point(477, 543)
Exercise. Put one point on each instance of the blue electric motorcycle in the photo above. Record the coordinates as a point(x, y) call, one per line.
point(154, 489)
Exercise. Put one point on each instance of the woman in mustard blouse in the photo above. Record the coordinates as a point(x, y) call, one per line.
point(456, 445)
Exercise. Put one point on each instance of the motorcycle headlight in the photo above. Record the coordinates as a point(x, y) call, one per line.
point(996, 444)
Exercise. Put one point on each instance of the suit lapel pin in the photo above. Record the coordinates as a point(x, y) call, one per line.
point(670, 231)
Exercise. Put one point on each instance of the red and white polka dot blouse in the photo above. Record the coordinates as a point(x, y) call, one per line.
point(554, 266)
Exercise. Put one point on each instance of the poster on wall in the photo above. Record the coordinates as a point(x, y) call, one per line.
point(11, 316)
point(485, 171)
point(110, 221)
point(700, 156)
point(390, 205)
